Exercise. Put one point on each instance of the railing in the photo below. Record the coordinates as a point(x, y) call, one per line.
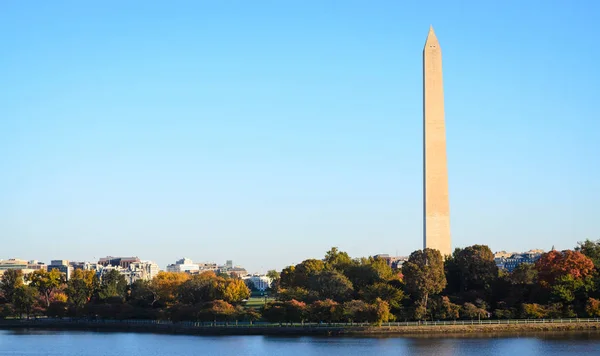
point(246, 324)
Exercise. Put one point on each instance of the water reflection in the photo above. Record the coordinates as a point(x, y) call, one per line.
point(60, 343)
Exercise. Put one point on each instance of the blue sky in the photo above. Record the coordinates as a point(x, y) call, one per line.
point(268, 131)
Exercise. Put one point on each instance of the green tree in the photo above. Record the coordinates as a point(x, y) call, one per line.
point(591, 249)
point(357, 311)
point(387, 291)
point(442, 309)
point(338, 260)
point(112, 285)
point(331, 284)
point(199, 289)
point(10, 281)
point(275, 312)
point(81, 287)
point(305, 271)
point(424, 276)
point(24, 299)
point(45, 282)
point(286, 278)
point(382, 311)
point(477, 270)
point(523, 274)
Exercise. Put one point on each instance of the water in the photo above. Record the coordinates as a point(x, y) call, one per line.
point(60, 343)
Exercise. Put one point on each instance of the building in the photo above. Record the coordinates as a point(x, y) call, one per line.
point(394, 262)
point(62, 266)
point(436, 206)
point(511, 262)
point(122, 262)
point(183, 265)
point(23, 265)
point(143, 270)
point(258, 282)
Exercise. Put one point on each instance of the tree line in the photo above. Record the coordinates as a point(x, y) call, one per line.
point(336, 288)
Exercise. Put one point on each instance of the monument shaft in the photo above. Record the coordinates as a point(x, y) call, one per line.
point(436, 219)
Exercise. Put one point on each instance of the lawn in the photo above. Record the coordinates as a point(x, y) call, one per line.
point(257, 302)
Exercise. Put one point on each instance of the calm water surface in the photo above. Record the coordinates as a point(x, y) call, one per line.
point(61, 343)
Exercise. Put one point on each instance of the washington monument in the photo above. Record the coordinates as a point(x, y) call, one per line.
point(436, 207)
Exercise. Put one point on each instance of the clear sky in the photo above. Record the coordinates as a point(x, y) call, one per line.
point(268, 131)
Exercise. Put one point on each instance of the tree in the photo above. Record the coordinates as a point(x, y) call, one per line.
point(533, 311)
point(382, 311)
point(10, 281)
point(357, 311)
point(141, 295)
point(592, 307)
point(424, 276)
point(112, 285)
point(388, 292)
point(24, 298)
point(332, 284)
point(338, 260)
point(441, 308)
point(368, 271)
point(305, 271)
point(477, 270)
point(45, 282)
point(286, 278)
point(275, 312)
point(81, 287)
point(165, 286)
point(327, 311)
point(218, 310)
point(295, 311)
point(554, 265)
point(235, 290)
point(275, 279)
point(471, 311)
point(198, 289)
point(523, 274)
point(591, 249)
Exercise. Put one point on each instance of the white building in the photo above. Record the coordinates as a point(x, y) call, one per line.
point(145, 271)
point(260, 281)
point(183, 265)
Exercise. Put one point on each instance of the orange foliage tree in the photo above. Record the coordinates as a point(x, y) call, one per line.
point(554, 265)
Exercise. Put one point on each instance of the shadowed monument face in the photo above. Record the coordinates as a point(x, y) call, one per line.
point(436, 224)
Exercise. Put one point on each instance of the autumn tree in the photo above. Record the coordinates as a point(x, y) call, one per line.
point(554, 265)
point(45, 282)
point(234, 291)
point(327, 311)
point(165, 286)
point(424, 276)
point(592, 307)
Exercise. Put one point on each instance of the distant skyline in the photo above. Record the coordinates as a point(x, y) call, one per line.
point(268, 132)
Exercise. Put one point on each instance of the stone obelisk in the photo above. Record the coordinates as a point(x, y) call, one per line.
point(436, 207)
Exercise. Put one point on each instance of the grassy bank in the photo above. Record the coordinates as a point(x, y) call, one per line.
point(438, 330)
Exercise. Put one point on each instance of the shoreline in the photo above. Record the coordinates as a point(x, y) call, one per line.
point(374, 331)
